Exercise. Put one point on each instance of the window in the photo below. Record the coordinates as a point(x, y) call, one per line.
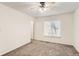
point(52, 28)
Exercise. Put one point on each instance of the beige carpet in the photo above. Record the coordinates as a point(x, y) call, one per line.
point(40, 48)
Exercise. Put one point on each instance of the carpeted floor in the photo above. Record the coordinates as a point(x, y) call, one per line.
point(40, 48)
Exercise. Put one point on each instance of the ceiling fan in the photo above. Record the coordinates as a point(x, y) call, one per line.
point(43, 6)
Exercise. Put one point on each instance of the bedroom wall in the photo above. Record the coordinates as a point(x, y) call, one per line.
point(15, 29)
point(76, 29)
point(66, 29)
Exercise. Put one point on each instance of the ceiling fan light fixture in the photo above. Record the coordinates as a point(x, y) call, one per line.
point(42, 10)
point(42, 6)
point(45, 5)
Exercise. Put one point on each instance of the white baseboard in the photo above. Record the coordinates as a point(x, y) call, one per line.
point(76, 48)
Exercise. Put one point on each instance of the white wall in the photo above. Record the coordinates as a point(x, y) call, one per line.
point(76, 28)
point(66, 29)
point(15, 29)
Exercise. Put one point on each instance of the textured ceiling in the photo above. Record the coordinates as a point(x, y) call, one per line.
point(32, 8)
